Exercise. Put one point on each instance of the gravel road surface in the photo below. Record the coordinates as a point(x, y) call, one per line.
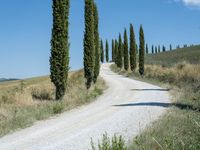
point(125, 108)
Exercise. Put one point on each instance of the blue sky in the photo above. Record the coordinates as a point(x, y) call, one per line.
point(25, 29)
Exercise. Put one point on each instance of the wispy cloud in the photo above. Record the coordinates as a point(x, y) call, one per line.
point(190, 2)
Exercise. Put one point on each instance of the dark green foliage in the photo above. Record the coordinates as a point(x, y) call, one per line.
point(133, 49)
point(170, 47)
point(126, 59)
point(113, 50)
point(159, 49)
point(156, 49)
point(137, 49)
point(164, 49)
point(59, 60)
point(89, 47)
point(141, 51)
point(96, 39)
point(152, 49)
point(102, 51)
point(116, 51)
point(147, 49)
point(107, 51)
point(119, 55)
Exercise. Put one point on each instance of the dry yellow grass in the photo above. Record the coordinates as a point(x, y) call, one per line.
point(24, 102)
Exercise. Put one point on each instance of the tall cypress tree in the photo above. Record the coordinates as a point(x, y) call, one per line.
point(102, 51)
point(156, 49)
point(107, 51)
point(96, 39)
point(132, 50)
point(113, 50)
point(116, 51)
point(89, 47)
point(164, 49)
point(126, 59)
point(159, 48)
point(119, 57)
point(170, 47)
point(141, 51)
point(147, 49)
point(59, 60)
point(152, 49)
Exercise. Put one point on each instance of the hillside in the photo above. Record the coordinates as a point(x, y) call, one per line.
point(189, 54)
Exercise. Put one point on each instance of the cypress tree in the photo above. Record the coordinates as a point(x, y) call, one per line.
point(116, 51)
point(164, 49)
point(59, 60)
point(156, 50)
point(96, 39)
point(113, 50)
point(126, 59)
point(119, 57)
point(133, 49)
point(89, 47)
point(102, 51)
point(107, 51)
point(159, 48)
point(147, 49)
point(141, 51)
point(170, 47)
point(152, 49)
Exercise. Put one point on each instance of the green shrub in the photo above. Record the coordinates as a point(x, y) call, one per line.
point(107, 143)
point(58, 108)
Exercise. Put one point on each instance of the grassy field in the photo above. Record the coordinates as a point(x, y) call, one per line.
point(26, 101)
point(179, 128)
point(169, 58)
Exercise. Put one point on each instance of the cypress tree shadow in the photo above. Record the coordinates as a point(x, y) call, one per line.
point(160, 104)
point(150, 89)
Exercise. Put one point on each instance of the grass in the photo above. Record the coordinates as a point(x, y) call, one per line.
point(169, 58)
point(179, 128)
point(24, 102)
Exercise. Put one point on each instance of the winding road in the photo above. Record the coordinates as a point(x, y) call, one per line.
point(125, 108)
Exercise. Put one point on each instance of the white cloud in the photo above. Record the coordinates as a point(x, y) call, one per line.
point(190, 2)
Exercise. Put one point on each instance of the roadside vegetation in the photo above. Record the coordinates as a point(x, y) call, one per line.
point(26, 101)
point(179, 128)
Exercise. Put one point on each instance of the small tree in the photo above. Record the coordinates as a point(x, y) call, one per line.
point(59, 60)
point(126, 59)
point(147, 49)
point(107, 51)
point(156, 49)
point(102, 51)
point(96, 39)
point(89, 47)
point(170, 47)
point(141, 52)
point(132, 50)
point(119, 57)
point(152, 49)
point(113, 50)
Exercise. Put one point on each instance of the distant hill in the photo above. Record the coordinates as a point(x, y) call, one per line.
point(169, 58)
point(4, 79)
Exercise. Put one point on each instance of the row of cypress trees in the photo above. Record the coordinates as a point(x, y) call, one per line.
point(124, 56)
point(91, 43)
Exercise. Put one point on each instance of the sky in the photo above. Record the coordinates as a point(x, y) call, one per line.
point(25, 29)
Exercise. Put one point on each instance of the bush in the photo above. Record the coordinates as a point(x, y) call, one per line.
point(116, 143)
point(58, 108)
point(41, 94)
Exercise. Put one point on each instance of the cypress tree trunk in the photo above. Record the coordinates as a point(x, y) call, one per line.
point(119, 57)
point(96, 39)
point(126, 59)
point(89, 41)
point(113, 50)
point(141, 52)
point(132, 49)
point(59, 60)
point(107, 51)
point(102, 51)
